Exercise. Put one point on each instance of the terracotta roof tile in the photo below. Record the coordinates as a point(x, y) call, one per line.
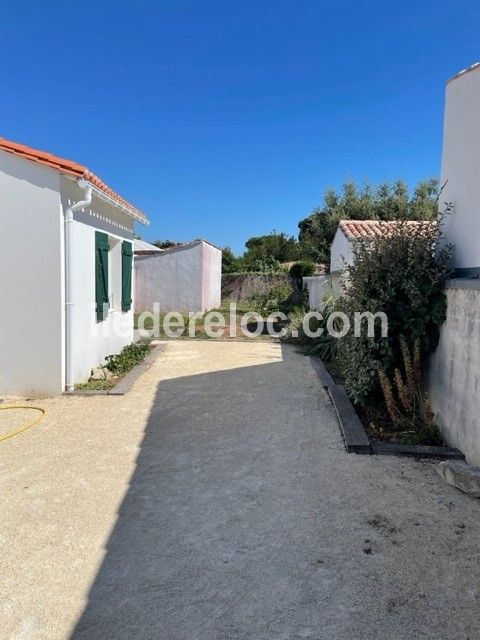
point(71, 168)
point(355, 229)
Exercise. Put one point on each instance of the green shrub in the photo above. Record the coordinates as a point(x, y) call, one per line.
point(95, 385)
point(268, 265)
point(128, 357)
point(401, 274)
point(270, 300)
point(302, 269)
point(323, 345)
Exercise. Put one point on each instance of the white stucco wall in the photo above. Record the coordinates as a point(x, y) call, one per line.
point(454, 370)
point(212, 277)
point(317, 287)
point(184, 279)
point(321, 287)
point(341, 252)
point(95, 340)
point(461, 166)
point(31, 268)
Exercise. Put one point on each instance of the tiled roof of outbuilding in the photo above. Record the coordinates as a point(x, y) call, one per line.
point(356, 229)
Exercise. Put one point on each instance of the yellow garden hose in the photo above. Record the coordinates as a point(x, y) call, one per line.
point(26, 425)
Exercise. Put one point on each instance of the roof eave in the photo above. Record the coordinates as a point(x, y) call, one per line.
point(137, 215)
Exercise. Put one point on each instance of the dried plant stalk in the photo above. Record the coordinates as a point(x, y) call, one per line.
point(417, 364)
point(390, 403)
point(404, 392)
point(407, 363)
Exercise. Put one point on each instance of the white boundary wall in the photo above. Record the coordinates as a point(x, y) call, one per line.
point(454, 370)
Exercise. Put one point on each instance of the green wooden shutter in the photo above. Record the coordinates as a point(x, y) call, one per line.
point(127, 259)
point(101, 274)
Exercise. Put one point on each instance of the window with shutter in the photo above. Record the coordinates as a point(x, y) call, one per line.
point(127, 259)
point(101, 274)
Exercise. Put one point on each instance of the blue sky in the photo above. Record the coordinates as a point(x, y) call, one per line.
point(225, 120)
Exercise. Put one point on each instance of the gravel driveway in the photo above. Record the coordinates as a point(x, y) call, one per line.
point(215, 501)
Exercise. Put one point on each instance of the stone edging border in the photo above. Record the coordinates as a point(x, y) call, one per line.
point(126, 383)
point(354, 435)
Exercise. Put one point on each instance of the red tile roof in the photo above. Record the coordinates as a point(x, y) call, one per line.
point(68, 167)
point(355, 229)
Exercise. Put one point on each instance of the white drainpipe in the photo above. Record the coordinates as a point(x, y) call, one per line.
point(69, 271)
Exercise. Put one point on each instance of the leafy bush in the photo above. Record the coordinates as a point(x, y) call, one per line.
point(268, 265)
point(271, 299)
point(95, 385)
point(275, 246)
point(323, 345)
point(293, 330)
point(402, 274)
point(128, 357)
point(302, 269)
point(230, 262)
point(406, 402)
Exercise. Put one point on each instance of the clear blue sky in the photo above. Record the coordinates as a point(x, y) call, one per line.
point(223, 119)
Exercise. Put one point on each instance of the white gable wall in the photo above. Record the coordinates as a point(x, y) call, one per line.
point(341, 252)
point(32, 274)
point(212, 277)
point(461, 167)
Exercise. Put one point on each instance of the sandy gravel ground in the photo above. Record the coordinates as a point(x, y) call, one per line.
point(215, 502)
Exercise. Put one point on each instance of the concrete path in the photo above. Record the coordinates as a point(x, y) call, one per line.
point(216, 502)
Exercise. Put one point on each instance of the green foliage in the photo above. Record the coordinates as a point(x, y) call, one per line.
point(323, 345)
point(269, 265)
point(402, 275)
point(388, 201)
point(302, 269)
point(165, 244)
point(230, 262)
point(271, 299)
point(275, 246)
point(95, 385)
point(294, 327)
point(128, 357)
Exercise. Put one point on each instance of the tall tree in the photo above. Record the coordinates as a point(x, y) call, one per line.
point(230, 262)
point(274, 246)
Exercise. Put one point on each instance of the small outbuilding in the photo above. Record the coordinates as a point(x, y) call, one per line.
point(351, 232)
point(184, 278)
point(342, 255)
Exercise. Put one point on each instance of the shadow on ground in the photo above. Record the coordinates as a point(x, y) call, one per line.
point(216, 535)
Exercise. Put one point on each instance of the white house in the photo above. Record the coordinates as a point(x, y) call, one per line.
point(454, 368)
point(460, 168)
point(66, 263)
point(186, 277)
